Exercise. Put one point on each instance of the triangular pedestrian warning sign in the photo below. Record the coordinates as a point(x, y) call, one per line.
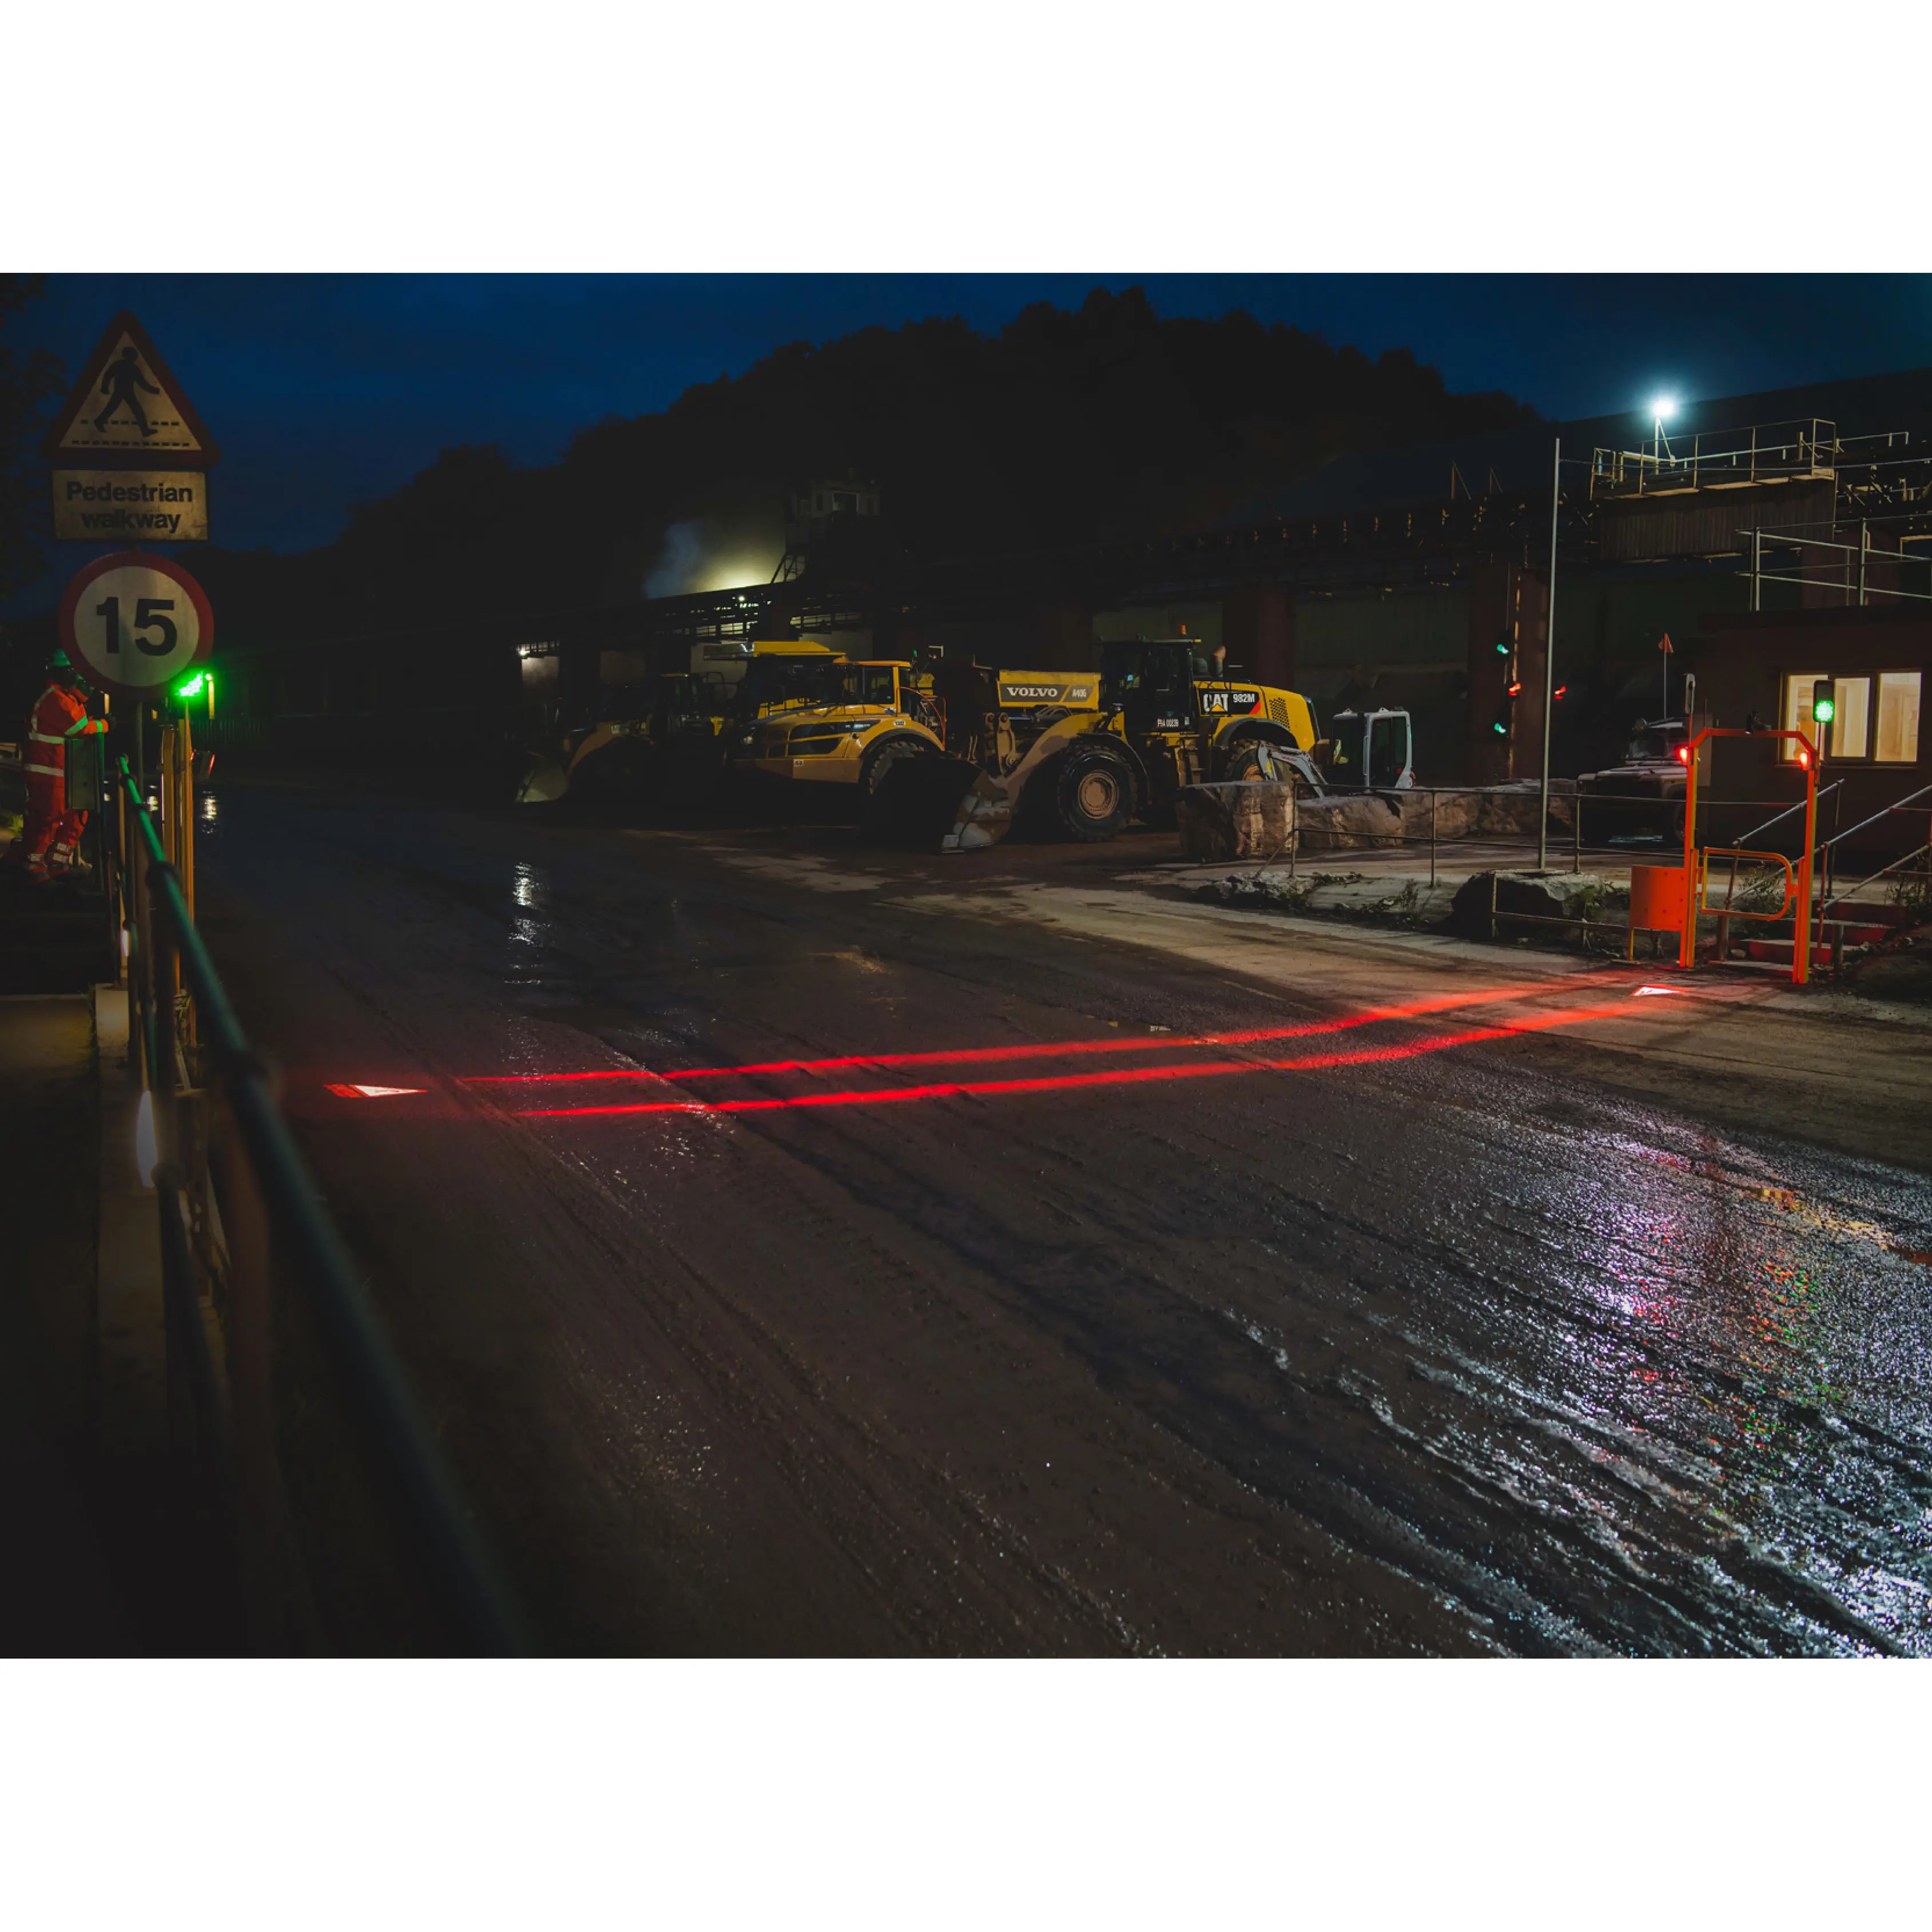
point(128, 411)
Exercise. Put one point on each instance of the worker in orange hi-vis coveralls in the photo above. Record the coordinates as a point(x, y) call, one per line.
point(47, 843)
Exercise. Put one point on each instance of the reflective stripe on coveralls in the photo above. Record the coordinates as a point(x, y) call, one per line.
point(52, 832)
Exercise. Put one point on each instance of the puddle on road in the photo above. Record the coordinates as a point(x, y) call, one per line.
point(1713, 1365)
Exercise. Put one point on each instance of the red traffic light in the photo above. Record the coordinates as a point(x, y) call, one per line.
point(1516, 691)
point(1683, 754)
point(1805, 758)
point(1562, 691)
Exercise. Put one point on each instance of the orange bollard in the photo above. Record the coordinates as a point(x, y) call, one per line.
point(1658, 902)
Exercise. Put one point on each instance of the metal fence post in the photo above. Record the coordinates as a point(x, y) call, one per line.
point(264, 1540)
point(1550, 657)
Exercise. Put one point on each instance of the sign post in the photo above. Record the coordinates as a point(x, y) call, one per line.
point(130, 459)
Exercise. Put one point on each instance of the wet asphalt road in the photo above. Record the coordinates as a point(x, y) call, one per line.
point(1418, 1348)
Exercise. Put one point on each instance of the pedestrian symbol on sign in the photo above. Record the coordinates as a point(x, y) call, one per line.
point(119, 385)
point(127, 410)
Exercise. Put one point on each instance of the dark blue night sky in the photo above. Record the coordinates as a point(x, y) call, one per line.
point(327, 390)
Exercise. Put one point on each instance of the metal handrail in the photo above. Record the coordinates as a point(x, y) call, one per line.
point(1768, 447)
point(1847, 897)
point(1897, 805)
point(1788, 811)
point(467, 1584)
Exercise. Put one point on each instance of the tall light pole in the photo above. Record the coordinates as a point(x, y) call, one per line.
point(1549, 658)
point(1661, 411)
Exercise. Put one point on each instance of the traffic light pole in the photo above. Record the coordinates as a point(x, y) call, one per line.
point(1550, 658)
point(1824, 718)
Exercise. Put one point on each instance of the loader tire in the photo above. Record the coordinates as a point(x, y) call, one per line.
point(1093, 795)
point(1242, 764)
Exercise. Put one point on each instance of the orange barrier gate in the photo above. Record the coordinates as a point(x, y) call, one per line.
point(1729, 910)
point(1692, 881)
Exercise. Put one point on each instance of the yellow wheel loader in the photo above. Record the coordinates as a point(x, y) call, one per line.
point(611, 761)
point(1088, 754)
point(670, 734)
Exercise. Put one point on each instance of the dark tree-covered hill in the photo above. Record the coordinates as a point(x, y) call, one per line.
point(1063, 427)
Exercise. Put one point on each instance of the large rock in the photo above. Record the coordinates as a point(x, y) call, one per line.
point(1539, 895)
point(1252, 820)
point(1350, 820)
point(1490, 811)
point(1454, 811)
point(1498, 810)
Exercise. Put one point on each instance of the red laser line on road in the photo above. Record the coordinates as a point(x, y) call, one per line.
point(1118, 1076)
point(1035, 1050)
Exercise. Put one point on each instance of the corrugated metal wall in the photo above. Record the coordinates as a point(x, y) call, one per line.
point(1705, 524)
point(1367, 635)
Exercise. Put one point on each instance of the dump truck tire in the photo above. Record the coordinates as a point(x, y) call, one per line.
point(881, 759)
point(1093, 795)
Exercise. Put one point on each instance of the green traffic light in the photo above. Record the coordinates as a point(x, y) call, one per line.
point(193, 686)
point(1824, 710)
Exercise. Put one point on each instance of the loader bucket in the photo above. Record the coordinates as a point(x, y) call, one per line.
point(544, 784)
point(937, 804)
point(984, 816)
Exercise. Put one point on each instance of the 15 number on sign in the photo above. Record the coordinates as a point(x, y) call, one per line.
point(149, 614)
point(172, 630)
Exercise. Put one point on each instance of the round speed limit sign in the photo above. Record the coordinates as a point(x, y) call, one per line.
point(134, 623)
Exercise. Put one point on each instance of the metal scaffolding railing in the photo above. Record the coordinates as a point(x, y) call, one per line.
point(1849, 565)
point(1810, 448)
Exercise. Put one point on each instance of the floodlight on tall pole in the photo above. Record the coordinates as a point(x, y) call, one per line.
point(1550, 657)
point(1661, 411)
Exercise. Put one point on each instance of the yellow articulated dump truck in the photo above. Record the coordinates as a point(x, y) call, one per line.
point(880, 715)
point(1090, 753)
